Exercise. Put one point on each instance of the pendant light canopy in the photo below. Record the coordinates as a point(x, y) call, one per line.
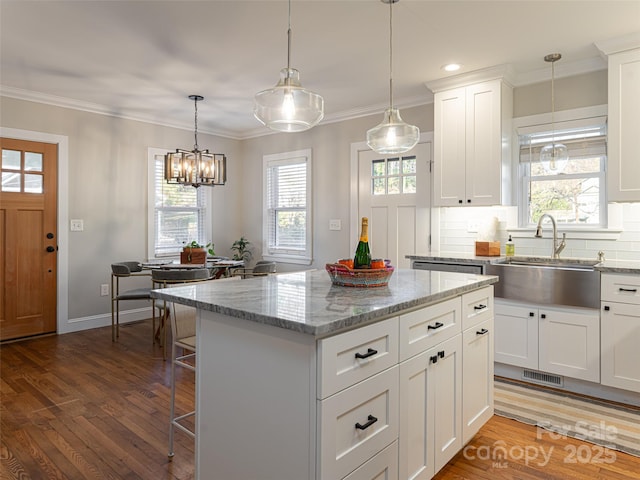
point(554, 157)
point(393, 135)
point(196, 167)
point(288, 107)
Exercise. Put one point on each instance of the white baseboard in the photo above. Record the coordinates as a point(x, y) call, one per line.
point(103, 320)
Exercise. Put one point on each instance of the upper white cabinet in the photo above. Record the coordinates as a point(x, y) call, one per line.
point(623, 184)
point(472, 143)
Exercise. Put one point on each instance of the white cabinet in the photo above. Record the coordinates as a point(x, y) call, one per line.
point(477, 377)
point(569, 342)
point(620, 331)
point(623, 176)
point(472, 144)
point(559, 340)
point(446, 387)
point(430, 410)
point(516, 334)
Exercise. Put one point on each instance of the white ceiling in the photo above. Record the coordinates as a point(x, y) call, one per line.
point(141, 59)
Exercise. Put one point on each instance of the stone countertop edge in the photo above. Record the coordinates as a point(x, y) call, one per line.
point(608, 266)
point(340, 322)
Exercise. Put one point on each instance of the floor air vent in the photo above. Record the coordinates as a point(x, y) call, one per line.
point(543, 378)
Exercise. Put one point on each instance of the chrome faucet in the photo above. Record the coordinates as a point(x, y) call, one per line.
point(556, 247)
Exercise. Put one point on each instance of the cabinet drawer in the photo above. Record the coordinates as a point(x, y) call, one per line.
point(383, 466)
point(620, 288)
point(357, 423)
point(424, 328)
point(350, 357)
point(477, 307)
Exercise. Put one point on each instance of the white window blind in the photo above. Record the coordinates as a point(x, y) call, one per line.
point(575, 192)
point(178, 213)
point(287, 207)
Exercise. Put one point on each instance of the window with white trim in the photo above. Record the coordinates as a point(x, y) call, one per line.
point(573, 192)
point(287, 221)
point(177, 213)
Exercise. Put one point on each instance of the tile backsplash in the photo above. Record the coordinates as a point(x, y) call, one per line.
point(459, 227)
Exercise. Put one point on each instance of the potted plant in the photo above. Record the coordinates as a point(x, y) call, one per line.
point(241, 250)
point(194, 252)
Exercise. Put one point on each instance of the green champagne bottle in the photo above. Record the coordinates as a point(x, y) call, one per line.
point(362, 258)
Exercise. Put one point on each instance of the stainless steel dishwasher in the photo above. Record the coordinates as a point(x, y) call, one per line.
point(447, 267)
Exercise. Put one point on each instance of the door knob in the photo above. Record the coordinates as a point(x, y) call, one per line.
point(51, 249)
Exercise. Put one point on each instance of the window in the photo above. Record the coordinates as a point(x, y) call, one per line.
point(574, 192)
point(176, 212)
point(393, 176)
point(287, 207)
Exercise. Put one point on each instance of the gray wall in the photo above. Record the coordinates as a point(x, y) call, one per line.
point(108, 179)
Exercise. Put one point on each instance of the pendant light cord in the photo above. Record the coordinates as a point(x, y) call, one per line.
point(391, 53)
point(553, 103)
point(289, 41)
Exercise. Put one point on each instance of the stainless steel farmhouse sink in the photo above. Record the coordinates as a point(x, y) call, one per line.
point(548, 281)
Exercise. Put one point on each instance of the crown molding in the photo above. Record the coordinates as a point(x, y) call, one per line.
point(562, 70)
point(619, 44)
point(64, 102)
point(499, 72)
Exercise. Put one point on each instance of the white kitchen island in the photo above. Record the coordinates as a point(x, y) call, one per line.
point(299, 379)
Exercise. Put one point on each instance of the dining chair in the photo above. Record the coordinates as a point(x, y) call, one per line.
point(183, 336)
point(163, 278)
point(120, 271)
point(261, 268)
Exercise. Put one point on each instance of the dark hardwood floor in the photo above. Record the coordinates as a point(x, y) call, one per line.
point(78, 406)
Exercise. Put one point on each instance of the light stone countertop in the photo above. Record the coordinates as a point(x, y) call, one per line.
point(608, 266)
point(307, 302)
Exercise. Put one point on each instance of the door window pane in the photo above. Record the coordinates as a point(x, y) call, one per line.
point(10, 160)
point(10, 182)
point(409, 184)
point(408, 165)
point(377, 167)
point(393, 166)
point(32, 162)
point(394, 185)
point(379, 186)
point(32, 183)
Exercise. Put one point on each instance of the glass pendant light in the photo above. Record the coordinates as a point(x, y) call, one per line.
point(554, 157)
point(288, 107)
point(393, 135)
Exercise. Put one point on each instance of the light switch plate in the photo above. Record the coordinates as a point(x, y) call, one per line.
point(335, 225)
point(77, 225)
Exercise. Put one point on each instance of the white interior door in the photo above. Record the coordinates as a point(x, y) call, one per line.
point(394, 192)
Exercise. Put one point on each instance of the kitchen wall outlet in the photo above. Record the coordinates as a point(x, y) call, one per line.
point(335, 225)
point(104, 289)
point(472, 226)
point(77, 225)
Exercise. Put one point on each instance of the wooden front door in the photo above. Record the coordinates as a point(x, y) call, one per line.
point(28, 238)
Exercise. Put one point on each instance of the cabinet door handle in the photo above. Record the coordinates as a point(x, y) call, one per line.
point(607, 308)
point(531, 314)
point(371, 420)
point(441, 353)
point(370, 353)
point(434, 327)
point(482, 332)
point(434, 359)
point(543, 315)
point(632, 290)
point(479, 307)
point(459, 201)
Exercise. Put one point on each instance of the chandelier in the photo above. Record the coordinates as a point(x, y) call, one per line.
point(196, 167)
point(393, 135)
point(288, 107)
